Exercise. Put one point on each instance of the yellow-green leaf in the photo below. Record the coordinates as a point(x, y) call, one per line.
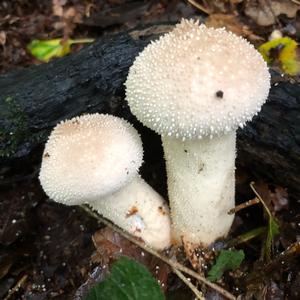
point(47, 49)
point(287, 54)
point(245, 237)
point(273, 227)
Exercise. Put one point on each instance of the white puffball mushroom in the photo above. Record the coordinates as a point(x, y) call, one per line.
point(95, 159)
point(89, 157)
point(195, 86)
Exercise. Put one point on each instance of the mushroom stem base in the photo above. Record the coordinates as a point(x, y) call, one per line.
point(139, 210)
point(201, 187)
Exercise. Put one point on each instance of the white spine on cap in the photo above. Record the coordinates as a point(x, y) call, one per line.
point(201, 187)
point(140, 210)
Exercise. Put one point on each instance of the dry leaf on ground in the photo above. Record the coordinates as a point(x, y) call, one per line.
point(2, 37)
point(275, 197)
point(264, 13)
point(110, 246)
point(233, 24)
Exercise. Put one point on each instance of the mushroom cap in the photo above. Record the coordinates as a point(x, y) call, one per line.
point(88, 157)
point(197, 81)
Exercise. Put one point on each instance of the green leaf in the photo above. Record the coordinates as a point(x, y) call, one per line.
point(128, 280)
point(273, 229)
point(287, 55)
point(245, 237)
point(227, 260)
point(45, 50)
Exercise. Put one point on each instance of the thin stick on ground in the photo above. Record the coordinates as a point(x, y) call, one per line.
point(173, 264)
point(292, 250)
point(197, 293)
point(199, 6)
point(296, 2)
point(244, 205)
point(260, 199)
point(17, 286)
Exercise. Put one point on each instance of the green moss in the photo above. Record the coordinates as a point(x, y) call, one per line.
point(18, 132)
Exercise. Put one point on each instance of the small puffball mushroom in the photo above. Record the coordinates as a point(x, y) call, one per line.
point(95, 159)
point(195, 86)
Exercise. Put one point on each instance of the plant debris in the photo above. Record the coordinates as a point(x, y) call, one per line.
point(226, 260)
point(45, 50)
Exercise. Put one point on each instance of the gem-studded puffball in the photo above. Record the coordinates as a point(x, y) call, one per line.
point(89, 157)
point(197, 81)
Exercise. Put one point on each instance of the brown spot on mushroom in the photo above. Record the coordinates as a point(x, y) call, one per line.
point(185, 151)
point(199, 255)
point(46, 155)
point(75, 122)
point(200, 167)
point(175, 242)
point(132, 211)
point(161, 210)
point(219, 94)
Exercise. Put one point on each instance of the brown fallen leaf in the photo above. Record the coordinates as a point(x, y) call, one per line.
point(118, 15)
point(265, 13)
point(111, 245)
point(2, 37)
point(279, 198)
point(215, 6)
point(57, 7)
point(69, 16)
point(275, 197)
point(231, 23)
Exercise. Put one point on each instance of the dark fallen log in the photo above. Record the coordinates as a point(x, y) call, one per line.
point(33, 100)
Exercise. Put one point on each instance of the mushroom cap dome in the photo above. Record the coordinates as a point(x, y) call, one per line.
point(197, 81)
point(88, 157)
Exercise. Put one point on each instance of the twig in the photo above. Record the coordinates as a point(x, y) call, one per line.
point(199, 6)
point(291, 251)
point(260, 199)
point(197, 293)
point(173, 264)
point(243, 205)
point(16, 287)
point(296, 2)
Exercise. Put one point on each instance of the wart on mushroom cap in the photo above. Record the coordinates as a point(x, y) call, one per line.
point(95, 159)
point(195, 86)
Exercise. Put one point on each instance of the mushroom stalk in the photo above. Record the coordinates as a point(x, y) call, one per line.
point(140, 210)
point(95, 159)
point(201, 187)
